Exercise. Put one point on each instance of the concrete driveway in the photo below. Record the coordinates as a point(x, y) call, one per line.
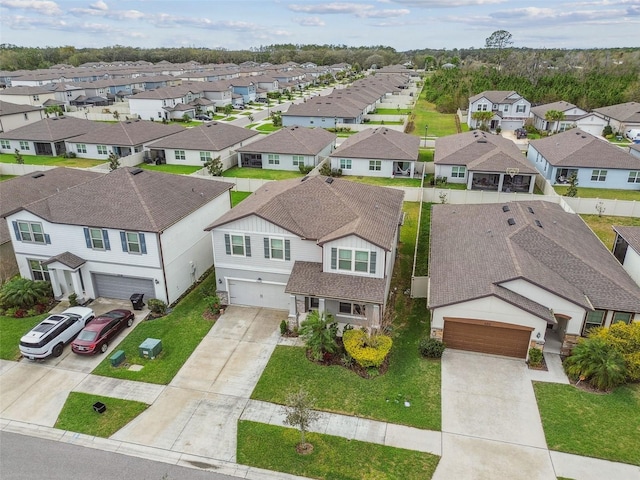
point(489, 411)
point(198, 412)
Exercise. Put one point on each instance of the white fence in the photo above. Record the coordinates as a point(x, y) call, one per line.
point(18, 169)
point(597, 206)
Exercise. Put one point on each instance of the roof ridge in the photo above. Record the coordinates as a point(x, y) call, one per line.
point(141, 198)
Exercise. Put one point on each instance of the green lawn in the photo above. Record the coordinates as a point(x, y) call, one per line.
point(384, 122)
point(237, 197)
point(603, 226)
point(5, 177)
point(422, 257)
point(51, 161)
point(77, 414)
point(576, 421)
point(181, 331)
point(440, 124)
point(264, 173)
point(392, 111)
point(175, 169)
point(409, 378)
point(605, 193)
point(426, 155)
point(250, 126)
point(273, 448)
point(190, 123)
point(11, 330)
point(384, 181)
point(267, 127)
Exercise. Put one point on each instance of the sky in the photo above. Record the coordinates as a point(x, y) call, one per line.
point(245, 24)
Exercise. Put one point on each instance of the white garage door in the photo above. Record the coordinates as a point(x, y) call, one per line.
point(258, 294)
point(510, 125)
point(114, 286)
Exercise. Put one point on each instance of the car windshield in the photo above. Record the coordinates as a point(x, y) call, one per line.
point(87, 335)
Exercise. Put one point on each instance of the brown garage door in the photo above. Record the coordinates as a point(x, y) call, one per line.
point(487, 337)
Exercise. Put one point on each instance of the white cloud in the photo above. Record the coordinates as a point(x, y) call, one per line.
point(44, 7)
point(357, 9)
point(100, 5)
point(446, 3)
point(309, 21)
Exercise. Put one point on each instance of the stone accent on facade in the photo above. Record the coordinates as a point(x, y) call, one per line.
point(570, 341)
point(437, 333)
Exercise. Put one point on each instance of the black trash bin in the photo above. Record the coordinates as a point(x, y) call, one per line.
point(136, 301)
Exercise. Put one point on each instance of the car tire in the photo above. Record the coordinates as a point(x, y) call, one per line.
point(103, 347)
point(130, 322)
point(57, 350)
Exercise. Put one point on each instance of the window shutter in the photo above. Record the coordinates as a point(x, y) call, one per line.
point(334, 258)
point(287, 250)
point(266, 247)
point(47, 238)
point(87, 238)
point(372, 262)
point(143, 244)
point(17, 231)
point(227, 244)
point(247, 245)
point(123, 240)
point(105, 237)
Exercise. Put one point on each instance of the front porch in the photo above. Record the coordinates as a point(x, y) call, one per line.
point(65, 275)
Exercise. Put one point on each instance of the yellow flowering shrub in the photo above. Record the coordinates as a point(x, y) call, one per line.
point(366, 350)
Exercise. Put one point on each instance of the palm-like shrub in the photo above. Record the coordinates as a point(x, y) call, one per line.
point(319, 333)
point(24, 293)
point(594, 360)
point(625, 338)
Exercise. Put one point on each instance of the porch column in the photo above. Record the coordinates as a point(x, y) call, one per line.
point(321, 306)
point(293, 310)
point(375, 316)
point(532, 183)
point(500, 182)
point(413, 168)
point(55, 283)
point(77, 285)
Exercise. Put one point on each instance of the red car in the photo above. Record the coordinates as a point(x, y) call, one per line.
point(95, 337)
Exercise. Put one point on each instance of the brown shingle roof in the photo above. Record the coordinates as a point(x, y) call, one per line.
point(53, 129)
point(129, 133)
point(307, 278)
point(214, 136)
point(380, 143)
point(624, 112)
point(316, 210)
point(630, 234)
point(145, 201)
point(576, 148)
point(292, 140)
point(474, 250)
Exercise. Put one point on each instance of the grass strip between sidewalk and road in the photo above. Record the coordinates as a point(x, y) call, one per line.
point(78, 415)
point(273, 448)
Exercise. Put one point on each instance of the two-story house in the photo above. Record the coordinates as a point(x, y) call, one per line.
point(128, 231)
point(35, 96)
point(510, 110)
point(315, 243)
point(13, 115)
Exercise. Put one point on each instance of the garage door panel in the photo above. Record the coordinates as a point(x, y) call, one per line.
point(115, 286)
point(488, 337)
point(258, 294)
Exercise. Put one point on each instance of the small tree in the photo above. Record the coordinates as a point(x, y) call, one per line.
point(483, 118)
point(600, 208)
point(53, 110)
point(114, 161)
point(319, 333)
point(214, 166)
point(251, 118)
point(116, 115)
point(299, 413)
point(598, 362)
point(554, 116)
point(19, 159)
point(572, 191)
point(186, 118)
point(227, 109)
point(276, 119)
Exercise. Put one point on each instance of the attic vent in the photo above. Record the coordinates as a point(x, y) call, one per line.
point(329, 180)
point(538, 223)
point(482, 141)
point(304, 178)
point(511, 221)
point(136, 171)
point(505, 208)
point(37, 175)
point(530, 210)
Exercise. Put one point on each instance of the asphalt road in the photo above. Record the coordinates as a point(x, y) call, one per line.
point(32, 458)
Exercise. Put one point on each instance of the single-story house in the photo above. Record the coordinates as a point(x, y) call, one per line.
point(377, 152)
point(193, 146)
point(121, 138)
point(483, 161)
point(20, 191)
point(13, 115)
point(505, 278)
point(46, 136)
point(596, 162)
point(571, 114)
point(317, 243)
point(128, 231)
point(510, 110)
point(620, 117)
point(626, 248)
point(288, 149)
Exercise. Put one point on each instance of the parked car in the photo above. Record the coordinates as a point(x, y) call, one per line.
point(95, 337)
point(239, 107)
point(520, 133)
point(204, 118)
point(261, 100)
point(51, 335)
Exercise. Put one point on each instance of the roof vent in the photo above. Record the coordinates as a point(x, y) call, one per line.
point(136, 171)
point(482, 141)
point(304, 178)
point(37, 175)
point(505, 208)
point(538, 223)
point(329, 180)
point(530, 210)
point(511, 221)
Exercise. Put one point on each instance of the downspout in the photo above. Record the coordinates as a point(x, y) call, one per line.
point(164, 273)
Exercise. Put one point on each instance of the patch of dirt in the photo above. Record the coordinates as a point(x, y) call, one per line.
point(304, 448)
point(208, 315)
point(585, 386)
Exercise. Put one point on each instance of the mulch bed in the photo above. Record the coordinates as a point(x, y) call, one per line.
point(542, 366)
point(338, 359)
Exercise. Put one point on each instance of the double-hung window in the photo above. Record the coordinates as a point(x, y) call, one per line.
point(375, 165)
point(24, 145)
point(205, 156)
point(350, 260)
point(102, 149)
point(81, 148)
point(298, 160)
point(458, 172)
point(96, 238)
point(273, 159)
point(593, 319)
point(237, 245)
point(180, 155)
point(39, 271)
point(521, 108)
point(31, 232)
point(5, 144)
point(624, 317)
point(345, 163)
point(277, 248)
point(634, 177)
point(598, 175)
point(133, 242)
point(482, 107)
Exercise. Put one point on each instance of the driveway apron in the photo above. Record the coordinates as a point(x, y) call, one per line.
point(198, 412)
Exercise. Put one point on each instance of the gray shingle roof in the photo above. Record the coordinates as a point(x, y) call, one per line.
point(495, 96)
point(474, 250)
point(561, 106)
point(147, 201)
point(66, 258)
point(293, 140)
point(129, 133)
point(213, 136)
point(380, 143)
point(478, 150)
point(53, 129)
point(316, 210)
point(624, 112)
point(8, 108)
point(307, 278)
point(577, 148)
point(630, 234)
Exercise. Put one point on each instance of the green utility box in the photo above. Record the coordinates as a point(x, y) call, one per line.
point(150, 348)
point(117, 358)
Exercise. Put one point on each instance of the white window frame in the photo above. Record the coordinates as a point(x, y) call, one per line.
point(505, 108)
point(634, 177)
point(81, 147)
point(24, 145)
point(205, 156)
point(102, 150)
point(133, 240)
point(273, 159)
point(352, 260)
point(180, 155)
point(482, 107)
point(41, 271)
point(345, 164)
point(298, 160)
point(31, 232)
point(521, 108)
point(242, 244)
point(458, 172)
point(375, 165)
point(96, 237)
point(272, 248)
point(5, 144)
point(599, 175)
point(354, 309)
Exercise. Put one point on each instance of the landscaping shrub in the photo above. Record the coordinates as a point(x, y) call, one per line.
point(319, 333)
point(367, 350)
point(157, 306)
point(304, 169)
point(24, 293)
point(284, 327)
point(73, 300)
point(430, 347)
point(625, 338)
point(213, 303)
point(535, 357)
point(594, 360)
